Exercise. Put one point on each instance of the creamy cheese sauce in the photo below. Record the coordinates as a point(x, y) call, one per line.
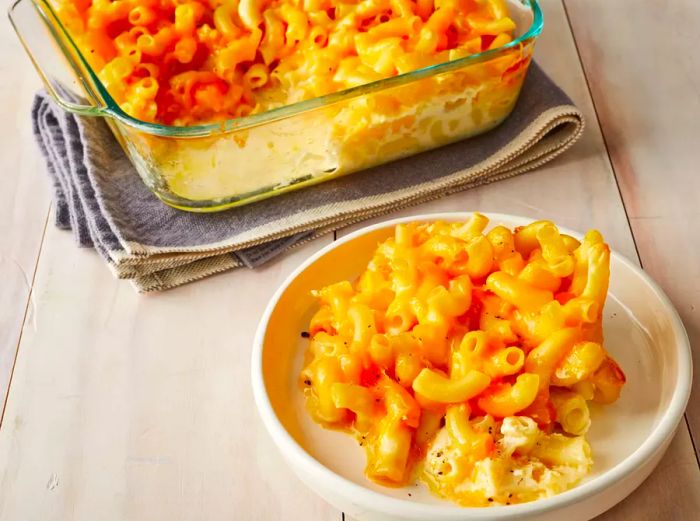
point(527, 464)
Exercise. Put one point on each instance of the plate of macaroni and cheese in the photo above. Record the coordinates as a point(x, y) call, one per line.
point(469, 366)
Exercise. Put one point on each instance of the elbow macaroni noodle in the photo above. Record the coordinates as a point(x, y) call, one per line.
point(458, 356)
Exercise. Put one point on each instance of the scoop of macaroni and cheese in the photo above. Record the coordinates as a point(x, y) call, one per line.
point(468, 357)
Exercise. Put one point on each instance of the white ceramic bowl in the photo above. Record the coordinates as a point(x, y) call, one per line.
point(642, 331)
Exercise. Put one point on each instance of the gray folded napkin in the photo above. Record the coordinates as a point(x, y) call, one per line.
point(99, 195)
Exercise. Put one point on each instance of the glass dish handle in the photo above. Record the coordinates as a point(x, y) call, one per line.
point(50, 51)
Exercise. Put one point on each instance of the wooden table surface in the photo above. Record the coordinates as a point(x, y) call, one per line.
point(119, 406)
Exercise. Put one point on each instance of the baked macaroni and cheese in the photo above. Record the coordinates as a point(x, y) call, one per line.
point(182, 62)
point(468, 358)
point(194, 62)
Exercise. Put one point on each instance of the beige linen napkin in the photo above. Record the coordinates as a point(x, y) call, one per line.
point(100, 197)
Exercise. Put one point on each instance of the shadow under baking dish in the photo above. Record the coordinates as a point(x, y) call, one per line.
point(642, 331)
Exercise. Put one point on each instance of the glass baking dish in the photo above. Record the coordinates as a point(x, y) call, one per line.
point(217, 166)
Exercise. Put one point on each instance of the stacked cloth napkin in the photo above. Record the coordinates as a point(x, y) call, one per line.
point(99, 195)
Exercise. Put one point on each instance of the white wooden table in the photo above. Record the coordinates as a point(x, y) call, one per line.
point(126, 407)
